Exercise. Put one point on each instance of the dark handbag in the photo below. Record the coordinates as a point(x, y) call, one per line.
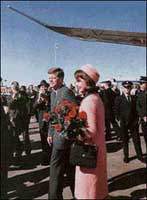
point(84, 155)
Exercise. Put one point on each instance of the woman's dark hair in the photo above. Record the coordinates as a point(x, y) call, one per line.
point(58, 71)
point(80, 74)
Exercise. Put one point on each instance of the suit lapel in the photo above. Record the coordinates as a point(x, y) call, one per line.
point(129, 102)
point(125, 98)
point(56, 98)
point(53, 100)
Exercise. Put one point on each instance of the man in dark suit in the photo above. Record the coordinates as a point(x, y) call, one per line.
point(5, 149)
point(15, 110)
point(32, 96)
point(108, 97)
point(60, 146)
point(26, 111)
point(125, 110)
point(141, 105)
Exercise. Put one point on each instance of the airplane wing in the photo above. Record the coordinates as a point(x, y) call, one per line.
point(95, 35)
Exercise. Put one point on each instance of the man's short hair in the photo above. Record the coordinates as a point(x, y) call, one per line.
point(143, 79)
point(58, 71)
point(15, 85)
point(108, 83)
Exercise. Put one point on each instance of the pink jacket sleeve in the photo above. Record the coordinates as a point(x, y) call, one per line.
point(89, 105)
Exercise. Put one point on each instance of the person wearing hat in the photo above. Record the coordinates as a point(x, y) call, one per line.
point(60, 146)
point(42, 105)
point(141, 105)
point(125, 110)
point(32, 95)
point(92, 183)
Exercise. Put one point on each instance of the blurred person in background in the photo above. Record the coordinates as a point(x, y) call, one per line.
point(142, 105)
point(108, 97)
point(126, 113)
point(25, 113)
point(41, 106)
point(16, 124)
point(6, 148)
point(32, 95)
point(135, 90)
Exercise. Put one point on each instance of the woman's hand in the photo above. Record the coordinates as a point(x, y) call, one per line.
point(81, 138)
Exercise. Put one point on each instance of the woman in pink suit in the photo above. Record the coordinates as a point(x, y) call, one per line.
point(92, 183)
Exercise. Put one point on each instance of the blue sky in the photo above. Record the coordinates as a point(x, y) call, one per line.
point(27, 49)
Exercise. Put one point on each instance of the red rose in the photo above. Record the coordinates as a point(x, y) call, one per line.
point(58, 127)
point(67, 119)
point(83, 115)
point(64, 103)
point(72, 113)
point(46, 116)
point(58, 108)
point(72, 106)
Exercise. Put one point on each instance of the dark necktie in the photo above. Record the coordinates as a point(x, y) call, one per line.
point(129, 99)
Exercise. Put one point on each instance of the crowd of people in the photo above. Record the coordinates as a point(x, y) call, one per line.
point(107, 107)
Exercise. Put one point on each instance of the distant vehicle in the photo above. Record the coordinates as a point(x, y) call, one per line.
point(95, 35)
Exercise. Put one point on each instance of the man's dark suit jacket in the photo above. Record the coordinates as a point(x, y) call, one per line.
point(141, 104)
point(63, 92)
point(108, 97)
point(41, 108)
point(124, 110)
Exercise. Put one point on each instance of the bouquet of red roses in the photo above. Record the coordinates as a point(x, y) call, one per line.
point(67, 120)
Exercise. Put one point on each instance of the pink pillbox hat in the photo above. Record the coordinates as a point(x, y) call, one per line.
point(91, 72)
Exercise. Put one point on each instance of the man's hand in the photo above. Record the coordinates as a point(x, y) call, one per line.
point(50, 140)
point(145, 119)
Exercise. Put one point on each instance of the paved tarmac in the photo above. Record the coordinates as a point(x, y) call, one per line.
point(126, 181)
